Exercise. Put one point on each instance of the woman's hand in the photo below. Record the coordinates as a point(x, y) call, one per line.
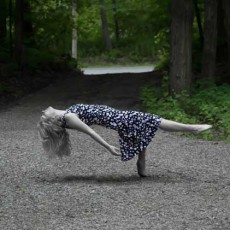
point(74, 122)
point(115, 151)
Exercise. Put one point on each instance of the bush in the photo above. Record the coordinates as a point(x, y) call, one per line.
point(206, 105)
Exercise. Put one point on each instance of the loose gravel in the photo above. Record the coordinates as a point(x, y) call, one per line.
point(188, 183)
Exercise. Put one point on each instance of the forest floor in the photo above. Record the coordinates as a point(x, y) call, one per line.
point(188, 183)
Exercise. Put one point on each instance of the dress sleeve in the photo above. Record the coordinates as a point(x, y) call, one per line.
point(71, 109)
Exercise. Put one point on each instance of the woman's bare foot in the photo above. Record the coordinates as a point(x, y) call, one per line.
point(201, 128)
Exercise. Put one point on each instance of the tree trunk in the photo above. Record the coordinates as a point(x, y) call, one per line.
point(226, 7)
point(27, 24)
point(10, 28)
point(2, 21)
point(74, 30)
point(105, 30)
point(116, 26)
point(181, 46)
point(210, 40)
point(19, 33)
point(222, 46)
point(198, 19)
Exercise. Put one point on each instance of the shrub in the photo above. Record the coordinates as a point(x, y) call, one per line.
point(206, 105)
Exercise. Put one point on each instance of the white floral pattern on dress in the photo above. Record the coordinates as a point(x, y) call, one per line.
point(135, 129)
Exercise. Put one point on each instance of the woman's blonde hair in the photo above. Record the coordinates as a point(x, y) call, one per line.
point(55, 138)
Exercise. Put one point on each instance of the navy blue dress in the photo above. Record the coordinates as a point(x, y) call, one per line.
point(135, 129)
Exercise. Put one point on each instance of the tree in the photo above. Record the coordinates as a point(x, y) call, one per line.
point(226, 8)
point(210, 40)
point(198, 18)
point(27, 23)
point(116, 26)
point(105, 29)
point(181, 46)
point(23, 31)
point(19, 33)
point(221, 46)
point(10, 28)
point(74, 30)
point(2, 20)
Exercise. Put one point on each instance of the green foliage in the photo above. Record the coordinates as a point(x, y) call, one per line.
point(38, 58)
point(52, 26)
point(212, 105)
point(142, 28)
point(163, 61)
point(206, 105)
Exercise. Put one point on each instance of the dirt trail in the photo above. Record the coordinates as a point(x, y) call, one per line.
point(118, 90)
point(188, 185)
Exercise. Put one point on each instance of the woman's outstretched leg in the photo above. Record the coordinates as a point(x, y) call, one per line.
point(141, 164)
point(173, 126)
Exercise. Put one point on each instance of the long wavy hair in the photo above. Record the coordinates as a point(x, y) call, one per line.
point(55, 138)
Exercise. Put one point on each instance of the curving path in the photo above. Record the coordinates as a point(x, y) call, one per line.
point(188, 185)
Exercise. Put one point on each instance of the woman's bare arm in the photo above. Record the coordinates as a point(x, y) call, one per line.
point(74, 122)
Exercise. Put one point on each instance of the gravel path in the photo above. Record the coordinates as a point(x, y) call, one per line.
point(188, 185)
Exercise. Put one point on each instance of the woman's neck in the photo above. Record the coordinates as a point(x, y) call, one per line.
point(51, 112)
point(58, 112)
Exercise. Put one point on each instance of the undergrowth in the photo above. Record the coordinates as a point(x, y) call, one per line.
point(206, 105)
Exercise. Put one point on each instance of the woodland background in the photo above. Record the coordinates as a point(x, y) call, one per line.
point(189, 41)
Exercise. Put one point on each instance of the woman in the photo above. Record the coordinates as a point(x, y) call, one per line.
point(135, 129)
